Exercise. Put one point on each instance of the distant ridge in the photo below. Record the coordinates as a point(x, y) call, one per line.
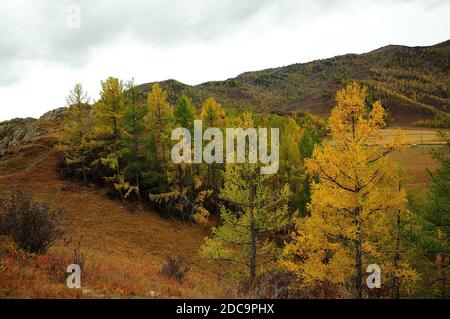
point(412, 82)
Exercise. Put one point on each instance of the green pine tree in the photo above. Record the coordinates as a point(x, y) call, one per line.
point(436, 220)
point(133, 136)
point(254, 213)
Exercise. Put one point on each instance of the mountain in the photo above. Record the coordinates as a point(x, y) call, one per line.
point(412, 82)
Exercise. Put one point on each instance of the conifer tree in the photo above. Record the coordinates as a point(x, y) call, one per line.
point(185, 113)
point(292, 169)
point(435, 216)
point(159, 120)
point(109, 110)
point(190, 185)
point(185, 194)
point(108, 132)
point(350, 203)
point(255, 211)
point(213, 115)
point(133, 136)
point(398, 248)
point(74, 142)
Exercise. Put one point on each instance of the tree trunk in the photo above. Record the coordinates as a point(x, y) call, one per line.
point(253, 235)
point(358, 264)
point(139, 188)
point(397, 258)
point(443, 278)
point(83, 171)
point(358, 258)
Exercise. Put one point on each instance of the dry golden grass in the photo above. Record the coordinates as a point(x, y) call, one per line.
point(413, 135)
point(416, 161)
point(126, 249)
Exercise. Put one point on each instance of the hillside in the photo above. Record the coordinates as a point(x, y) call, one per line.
point(126, 247)
point(412, 82)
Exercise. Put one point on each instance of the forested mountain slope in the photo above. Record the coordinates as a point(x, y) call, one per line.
point(412, 82)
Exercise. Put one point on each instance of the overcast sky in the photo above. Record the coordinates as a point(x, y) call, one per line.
point(45, 49)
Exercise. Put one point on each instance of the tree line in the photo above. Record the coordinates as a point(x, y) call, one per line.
point(336, 205)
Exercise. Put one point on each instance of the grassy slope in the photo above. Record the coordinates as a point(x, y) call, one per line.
point(126, 249)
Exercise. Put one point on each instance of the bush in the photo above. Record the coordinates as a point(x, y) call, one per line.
point(79, 257)
point(175, 267)
point(273, 284)
point(33, 226)
point(8, 249)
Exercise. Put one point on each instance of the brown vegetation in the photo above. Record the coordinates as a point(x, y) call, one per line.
point(126, 249)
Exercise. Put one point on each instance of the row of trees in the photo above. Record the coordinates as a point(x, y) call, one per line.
point(125, 142)
point(358, 214)
point(332, 209)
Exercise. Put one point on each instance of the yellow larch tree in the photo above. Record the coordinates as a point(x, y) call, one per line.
point(212, 113)
point(356, 190)
point(108, 131)
point(109, 110)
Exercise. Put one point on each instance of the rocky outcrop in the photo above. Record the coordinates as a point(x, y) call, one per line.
point(22, 130)
point(54, 115)
point(17, 131)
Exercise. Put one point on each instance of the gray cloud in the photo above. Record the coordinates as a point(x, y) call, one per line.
point(34, 31)
point(37, 30)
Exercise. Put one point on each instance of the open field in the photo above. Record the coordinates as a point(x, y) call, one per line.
point(416, 161)
point(415, 158)
point(413, 135)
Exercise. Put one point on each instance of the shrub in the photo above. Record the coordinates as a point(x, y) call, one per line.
point(175, 267)
point(272, 284)
point(8, 249)
point(33, 226)
point(79, 257)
